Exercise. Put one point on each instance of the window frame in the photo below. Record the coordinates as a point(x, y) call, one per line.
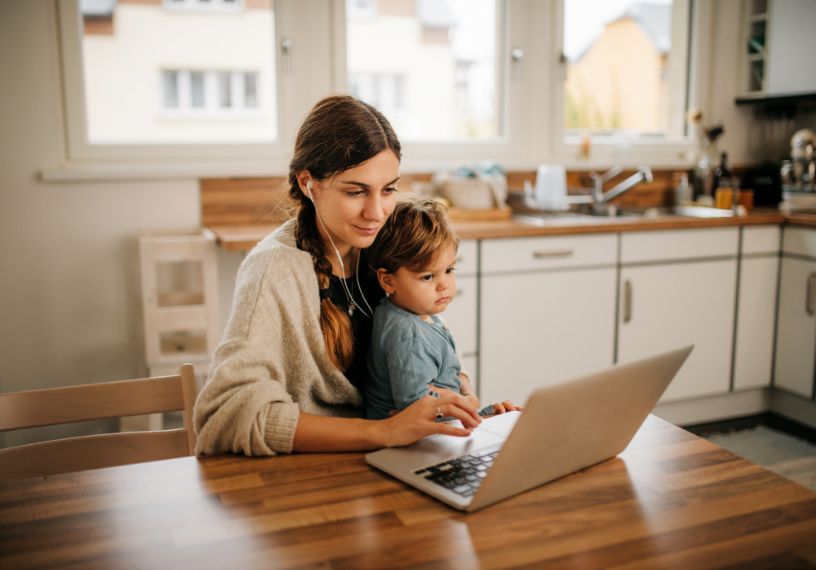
point(508, 149)
point(673, 151)
point(314, 65)
point(297, 85)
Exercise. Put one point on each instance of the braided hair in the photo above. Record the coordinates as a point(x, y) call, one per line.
point(339, 133)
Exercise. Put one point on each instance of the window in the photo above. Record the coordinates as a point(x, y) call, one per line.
point(209, 93)
point(220, 86)
point(440, 82)
point(626, 69)
point(150, 69)
point(204, 4)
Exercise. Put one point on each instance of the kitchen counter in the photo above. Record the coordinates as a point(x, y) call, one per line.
point(244, 237)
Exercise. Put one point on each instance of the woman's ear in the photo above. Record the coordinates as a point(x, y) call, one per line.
point(386, 281)
point(304, 177)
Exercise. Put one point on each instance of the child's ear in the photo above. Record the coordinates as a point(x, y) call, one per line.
point(386, 280)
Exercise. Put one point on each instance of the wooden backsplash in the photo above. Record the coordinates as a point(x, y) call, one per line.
point(244, 201)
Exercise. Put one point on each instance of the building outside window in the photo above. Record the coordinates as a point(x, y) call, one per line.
point(154, 74)
point(619, 74)
point(440, 81)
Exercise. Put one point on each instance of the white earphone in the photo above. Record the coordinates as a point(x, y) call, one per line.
point(349, 295)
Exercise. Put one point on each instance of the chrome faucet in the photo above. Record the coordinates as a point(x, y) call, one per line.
point(601, 198)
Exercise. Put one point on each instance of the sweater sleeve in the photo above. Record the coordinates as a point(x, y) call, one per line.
point(245, 406)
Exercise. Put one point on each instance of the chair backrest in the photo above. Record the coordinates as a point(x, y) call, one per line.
point(70, 404)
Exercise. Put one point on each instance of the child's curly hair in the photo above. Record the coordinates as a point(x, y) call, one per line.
point(413, 234)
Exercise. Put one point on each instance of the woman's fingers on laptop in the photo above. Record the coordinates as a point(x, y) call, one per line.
point(457, 407)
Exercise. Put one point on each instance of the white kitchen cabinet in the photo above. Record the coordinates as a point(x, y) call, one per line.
point(461, 314)
point(796, 328)
point(791, 41)
point(548, 316)
point(777, 35)
point(756, 307)
point(689, 300)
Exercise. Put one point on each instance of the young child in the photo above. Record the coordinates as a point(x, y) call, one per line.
point(411, 349)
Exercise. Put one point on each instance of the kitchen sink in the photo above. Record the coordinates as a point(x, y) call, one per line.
point(586, 215)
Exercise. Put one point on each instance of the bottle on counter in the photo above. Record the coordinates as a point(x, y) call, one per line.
point(724, 185)
point(682, 189)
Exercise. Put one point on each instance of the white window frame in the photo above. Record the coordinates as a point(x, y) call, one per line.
point(303, 76)
point(314, 65)
point(688, 20)
point(507, 149)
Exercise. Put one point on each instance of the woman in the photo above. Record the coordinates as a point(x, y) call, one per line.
point(286, 375)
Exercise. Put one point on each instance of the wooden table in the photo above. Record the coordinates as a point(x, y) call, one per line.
point(670, 500)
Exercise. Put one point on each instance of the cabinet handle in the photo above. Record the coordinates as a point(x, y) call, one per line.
point(809, 294)
point(543, 254)
point(627, 301)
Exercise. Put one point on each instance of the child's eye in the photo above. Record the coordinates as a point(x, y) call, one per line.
point(428, 277)
point(450, 270)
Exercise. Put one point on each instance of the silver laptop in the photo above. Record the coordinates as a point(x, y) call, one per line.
point(563, 428)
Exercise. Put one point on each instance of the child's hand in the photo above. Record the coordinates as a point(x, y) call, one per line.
point(505, 406)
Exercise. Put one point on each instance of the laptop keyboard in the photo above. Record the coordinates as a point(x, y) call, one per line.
point(462, 475)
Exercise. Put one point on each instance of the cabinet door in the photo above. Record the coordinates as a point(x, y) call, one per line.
point(753, 358)
point(796, 336)
point(541, 328)
point(791, 26)
point(460, 315)
point(664, 307)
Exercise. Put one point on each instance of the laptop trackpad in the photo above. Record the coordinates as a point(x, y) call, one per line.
point(501, 424)
point(432, 449)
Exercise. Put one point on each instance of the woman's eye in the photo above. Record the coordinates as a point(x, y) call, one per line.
point(390, 190)
point(355, 193)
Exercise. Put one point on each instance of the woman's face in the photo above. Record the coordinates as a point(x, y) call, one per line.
point(355, 203)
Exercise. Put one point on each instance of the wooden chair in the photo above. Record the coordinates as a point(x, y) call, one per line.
point(70, 404)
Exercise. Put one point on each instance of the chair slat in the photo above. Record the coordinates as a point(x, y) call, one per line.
point(91, 452)
point(35, 408)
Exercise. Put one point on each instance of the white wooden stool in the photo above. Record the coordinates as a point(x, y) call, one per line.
point(180, 307)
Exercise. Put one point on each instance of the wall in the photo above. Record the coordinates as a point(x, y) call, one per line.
point(69, 293)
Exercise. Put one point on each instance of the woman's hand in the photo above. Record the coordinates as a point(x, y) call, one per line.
point(419, 419)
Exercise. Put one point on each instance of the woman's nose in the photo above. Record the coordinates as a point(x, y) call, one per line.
point(374, 208)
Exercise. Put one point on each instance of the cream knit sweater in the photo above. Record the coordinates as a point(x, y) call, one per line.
point(272, 362)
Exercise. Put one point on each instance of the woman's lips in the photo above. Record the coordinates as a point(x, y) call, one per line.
point(366, 231)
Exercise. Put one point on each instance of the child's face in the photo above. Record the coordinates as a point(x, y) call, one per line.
point(425, 292)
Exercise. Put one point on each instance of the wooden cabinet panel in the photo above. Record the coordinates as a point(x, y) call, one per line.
point(756, 312)
point(531, 254)
point(541, 328)
point(467, 257)
point(664, 307)
point(461, 315)
point(796, 330)
point(671, 245)
point(761, 239)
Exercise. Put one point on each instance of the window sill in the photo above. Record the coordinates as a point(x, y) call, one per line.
point(123, 171)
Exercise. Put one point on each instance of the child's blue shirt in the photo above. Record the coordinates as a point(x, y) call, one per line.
point(406, 354)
